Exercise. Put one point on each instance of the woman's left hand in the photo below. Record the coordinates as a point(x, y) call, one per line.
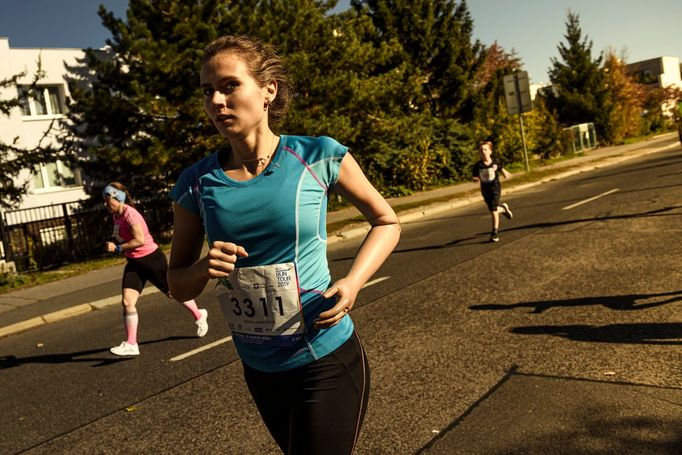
point(345, 293)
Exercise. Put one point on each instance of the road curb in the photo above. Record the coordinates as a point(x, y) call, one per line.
point(21, 326)
point(67, 313)
point(45, 319)
point(103, 303)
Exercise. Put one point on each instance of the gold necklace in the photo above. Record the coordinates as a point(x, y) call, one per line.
point(262, 161)
point(259, 161)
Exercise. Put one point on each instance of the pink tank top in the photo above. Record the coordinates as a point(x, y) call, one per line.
point(123, 232)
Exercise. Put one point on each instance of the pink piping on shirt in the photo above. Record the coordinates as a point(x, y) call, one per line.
point(300, 158)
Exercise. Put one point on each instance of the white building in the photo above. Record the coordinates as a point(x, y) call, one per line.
point(659, 72)
point(535, 88)
point(53, 183)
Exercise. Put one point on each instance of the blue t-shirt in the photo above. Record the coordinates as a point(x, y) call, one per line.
point(278, 217)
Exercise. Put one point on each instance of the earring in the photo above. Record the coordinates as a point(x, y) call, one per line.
point(267, 104)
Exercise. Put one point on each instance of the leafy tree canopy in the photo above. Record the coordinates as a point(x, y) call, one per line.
point(623, 103)
point(140, 119)
point(437, 47)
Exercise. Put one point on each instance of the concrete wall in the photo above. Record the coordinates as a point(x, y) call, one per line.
point(671, 72)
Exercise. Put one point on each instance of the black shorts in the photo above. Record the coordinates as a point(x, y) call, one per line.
point(152, 267)
point(491, 196)
point(319, 407)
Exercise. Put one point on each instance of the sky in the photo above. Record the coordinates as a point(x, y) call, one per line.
point(633, 29)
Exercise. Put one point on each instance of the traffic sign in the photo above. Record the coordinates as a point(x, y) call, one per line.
point(517, 93)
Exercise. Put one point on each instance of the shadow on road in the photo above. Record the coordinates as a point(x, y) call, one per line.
point(102, 357)
point(459, 242)
point(664, 333)
point(450, 244)
point(564, 415)
point(657, 212)
point(626, 302)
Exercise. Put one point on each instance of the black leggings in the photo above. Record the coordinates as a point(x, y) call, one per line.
point(317, 408)
point(152, 267)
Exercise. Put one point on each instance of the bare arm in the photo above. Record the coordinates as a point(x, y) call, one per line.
point(187, 274)
point(382, 238)
point(137, 240)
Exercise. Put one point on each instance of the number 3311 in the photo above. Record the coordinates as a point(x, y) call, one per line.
point(247, 308)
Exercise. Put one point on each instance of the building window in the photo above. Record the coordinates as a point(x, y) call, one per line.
point(47, 101)
point(646, 77)
point(55, 175)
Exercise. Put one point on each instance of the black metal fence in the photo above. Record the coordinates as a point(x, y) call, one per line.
point(45, 237)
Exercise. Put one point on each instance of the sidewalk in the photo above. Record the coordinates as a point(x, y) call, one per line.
point(32, 307)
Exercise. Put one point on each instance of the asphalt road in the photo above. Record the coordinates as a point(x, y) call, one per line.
point(575, 313)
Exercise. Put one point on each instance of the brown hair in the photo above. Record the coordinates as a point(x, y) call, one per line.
point(480, 146)
point(263, 64)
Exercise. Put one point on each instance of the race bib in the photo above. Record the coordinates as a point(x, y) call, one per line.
point(116, 234)
point(262, 304)
point(487, 175)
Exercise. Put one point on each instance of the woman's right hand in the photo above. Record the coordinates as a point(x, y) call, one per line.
point(109, 247)
point(221, 258)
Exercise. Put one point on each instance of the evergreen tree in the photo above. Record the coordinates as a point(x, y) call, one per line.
point(137, 114)
point(346, 91)
point(355, 84)
point(414, 135)
point(578, 80)
point(437, 47)
point(139, 117)
point(547, 137)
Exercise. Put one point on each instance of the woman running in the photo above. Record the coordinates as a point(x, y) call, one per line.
point(146, 262)
point(261, 199)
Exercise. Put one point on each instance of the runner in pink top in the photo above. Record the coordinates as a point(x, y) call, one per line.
point(123, 232)
point(145, 262)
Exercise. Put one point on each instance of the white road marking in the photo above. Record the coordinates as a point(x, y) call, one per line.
point(201, 349)
point(225, 340)
point(569, 207)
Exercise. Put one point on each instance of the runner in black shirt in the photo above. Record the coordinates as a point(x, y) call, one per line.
point(487, 171)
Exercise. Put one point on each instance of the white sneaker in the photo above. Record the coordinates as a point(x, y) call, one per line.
point(202, 323)
point(125, 348)
point(507, 212)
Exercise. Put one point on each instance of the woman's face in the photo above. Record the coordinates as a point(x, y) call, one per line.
point(232, 97)
point(112, 204)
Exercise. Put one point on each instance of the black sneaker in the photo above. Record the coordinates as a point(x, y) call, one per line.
point(494, 237)
point(507, 211)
